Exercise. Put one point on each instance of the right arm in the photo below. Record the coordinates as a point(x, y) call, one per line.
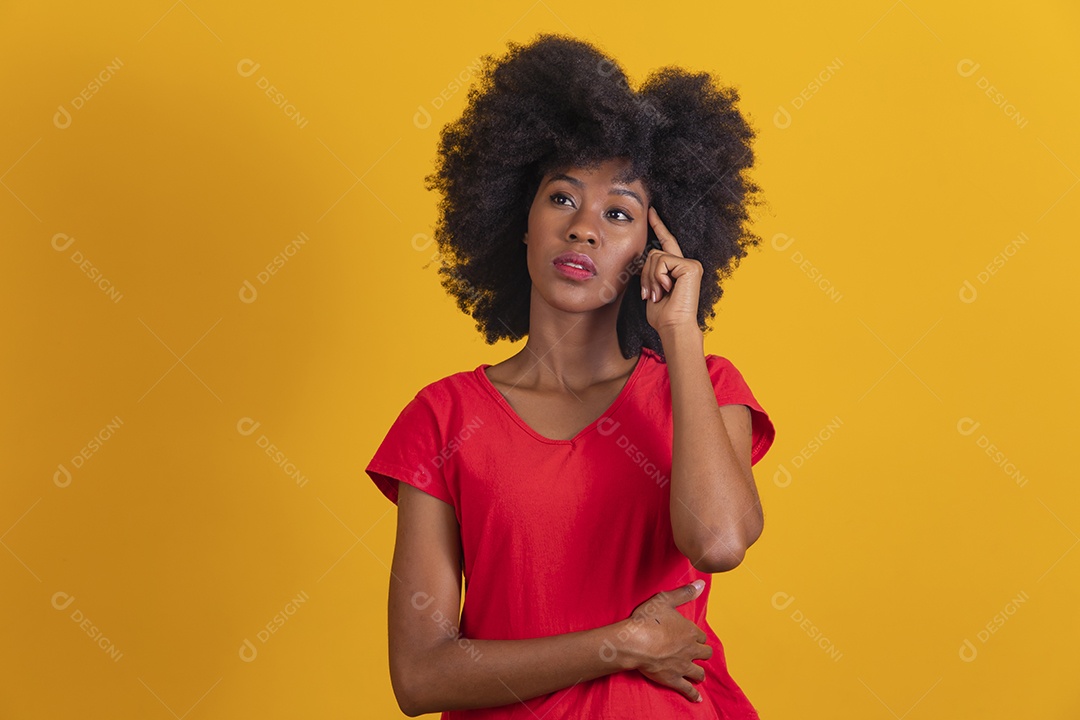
point(433, 669)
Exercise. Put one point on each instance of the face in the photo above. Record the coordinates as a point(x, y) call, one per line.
point(586, 217)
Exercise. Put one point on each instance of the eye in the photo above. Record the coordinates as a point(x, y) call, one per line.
point(556, 197)
point(620, 212)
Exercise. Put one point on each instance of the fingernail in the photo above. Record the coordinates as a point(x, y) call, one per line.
point(699, 584)
point(643, 291)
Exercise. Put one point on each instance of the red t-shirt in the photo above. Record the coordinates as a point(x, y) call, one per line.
point(565, 535)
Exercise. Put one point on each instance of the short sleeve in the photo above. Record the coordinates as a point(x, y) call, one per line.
point(410, 453)
point(732, 389)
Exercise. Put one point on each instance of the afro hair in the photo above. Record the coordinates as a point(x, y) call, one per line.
point(556, 103)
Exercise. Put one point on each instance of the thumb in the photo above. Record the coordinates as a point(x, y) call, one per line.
point(688, 592)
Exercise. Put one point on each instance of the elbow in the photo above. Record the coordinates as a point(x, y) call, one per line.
point(407, 684)
point(718, 562)
point(407, 703)
point(407, 710)
point(720, 552)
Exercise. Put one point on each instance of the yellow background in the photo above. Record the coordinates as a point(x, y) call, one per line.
point(895, 535)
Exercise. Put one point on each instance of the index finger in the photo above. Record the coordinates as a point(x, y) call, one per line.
point(667, 240)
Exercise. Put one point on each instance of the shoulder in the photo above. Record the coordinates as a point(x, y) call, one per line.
point(439, 385)
point(726, 377)
point(730, 384)
point(451, 389)
point(653, 357)
point(499, 374)
point(720, 366)
point(449, 381)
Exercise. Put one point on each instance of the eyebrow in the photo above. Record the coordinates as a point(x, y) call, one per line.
point(614, 191)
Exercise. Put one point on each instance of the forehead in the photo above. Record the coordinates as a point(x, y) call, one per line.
point(608, 172)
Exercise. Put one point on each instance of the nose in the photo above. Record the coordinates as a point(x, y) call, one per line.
point(583, 227)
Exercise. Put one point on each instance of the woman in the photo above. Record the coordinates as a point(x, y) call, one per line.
point(589, 485)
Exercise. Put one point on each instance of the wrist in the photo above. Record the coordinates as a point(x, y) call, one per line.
point(681, 336)
point(620, 646)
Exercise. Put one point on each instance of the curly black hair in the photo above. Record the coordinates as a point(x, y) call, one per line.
point(559, 102)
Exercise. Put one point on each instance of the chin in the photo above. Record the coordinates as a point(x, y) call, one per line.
point(579, 300)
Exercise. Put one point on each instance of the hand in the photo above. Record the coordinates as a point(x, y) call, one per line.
point(675, 280)
point(664, 644)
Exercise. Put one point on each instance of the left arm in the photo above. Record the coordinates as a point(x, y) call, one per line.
point(715, 509)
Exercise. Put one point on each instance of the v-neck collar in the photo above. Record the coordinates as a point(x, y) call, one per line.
point(639, 368)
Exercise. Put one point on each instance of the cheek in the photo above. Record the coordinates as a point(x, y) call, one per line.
point(535, 225)
point(636, 245)
point(626, 267)
point(637, 237)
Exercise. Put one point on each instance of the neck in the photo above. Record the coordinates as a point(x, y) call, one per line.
point(572, 349)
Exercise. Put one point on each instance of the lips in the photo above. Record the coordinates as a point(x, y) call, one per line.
point(571, 259)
